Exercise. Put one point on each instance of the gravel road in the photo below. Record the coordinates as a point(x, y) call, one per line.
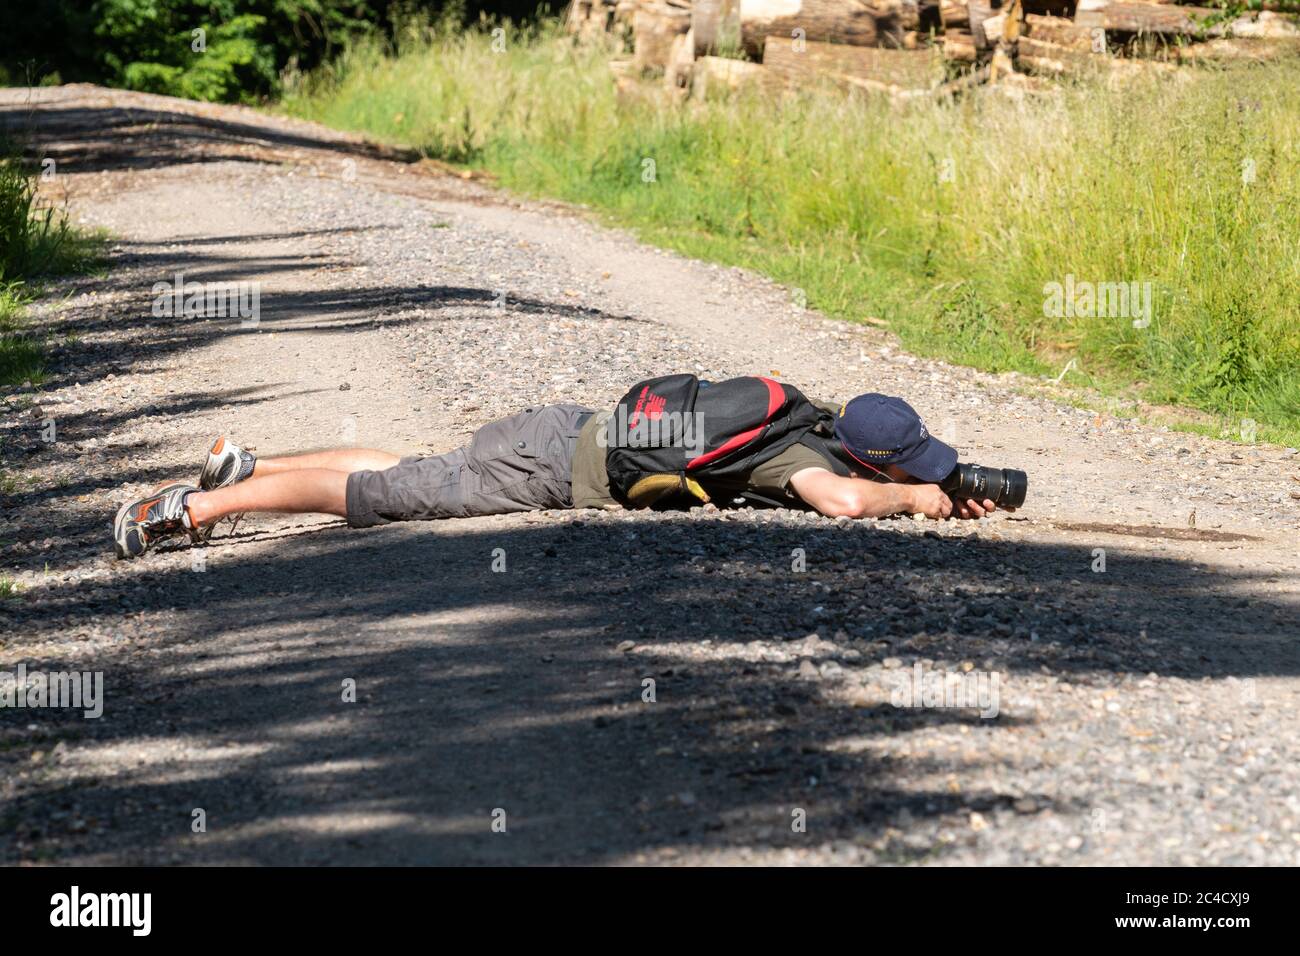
point(1140, 714)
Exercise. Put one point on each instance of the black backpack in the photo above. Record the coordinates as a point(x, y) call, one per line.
point(669, 436)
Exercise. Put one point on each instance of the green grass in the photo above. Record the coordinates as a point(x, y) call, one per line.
point(35, 241)
point(848, 199)
point(20, 356)
point(10, 484)
point(9, 588)
point(35, 237)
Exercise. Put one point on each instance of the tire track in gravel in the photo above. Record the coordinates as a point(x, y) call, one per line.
point(1146, 713)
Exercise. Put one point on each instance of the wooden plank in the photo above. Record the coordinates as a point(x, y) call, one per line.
point(1040, 56)
point(654, 28)
point(1134, 17)
point(959, 47)
point(715, 74)
point(953, 14)
point(1238, 49)
point(854, 65)
point(978, 11)
point(1265, 25)
point(1159, 18)
point(1061, 31)
point(1054, 59)
point(839, 21)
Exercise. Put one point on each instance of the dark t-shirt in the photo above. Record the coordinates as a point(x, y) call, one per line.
point(771, 479)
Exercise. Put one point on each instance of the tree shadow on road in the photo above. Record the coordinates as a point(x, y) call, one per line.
point(111, 341)
point(479, 691)
point(113, 138)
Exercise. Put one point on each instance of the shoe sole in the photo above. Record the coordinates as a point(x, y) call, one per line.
point(129, 544)
point(135, 543)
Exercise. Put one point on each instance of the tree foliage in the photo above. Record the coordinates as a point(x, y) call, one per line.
point(202, 49)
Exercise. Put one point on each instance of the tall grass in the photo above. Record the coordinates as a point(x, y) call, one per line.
point(944, 220)
point(20, 355)
point(31, 236)
point(35, 240)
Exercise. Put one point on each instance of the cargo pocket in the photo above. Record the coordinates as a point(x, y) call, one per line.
point(504, 453)
point(523, 463)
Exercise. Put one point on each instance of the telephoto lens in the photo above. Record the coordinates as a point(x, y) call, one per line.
point(1005, 487)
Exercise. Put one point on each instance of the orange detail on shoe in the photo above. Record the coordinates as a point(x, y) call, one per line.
point(142, 513)
point(221, 443)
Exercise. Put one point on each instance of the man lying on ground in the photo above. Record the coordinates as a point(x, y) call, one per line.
point(869, 458)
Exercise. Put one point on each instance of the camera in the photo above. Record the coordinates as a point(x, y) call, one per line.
point(1005, 487)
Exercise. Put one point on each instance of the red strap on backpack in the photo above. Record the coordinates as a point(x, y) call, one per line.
point(775, 399)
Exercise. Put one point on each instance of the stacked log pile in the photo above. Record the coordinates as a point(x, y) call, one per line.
point(906, 47)
point(597, 20)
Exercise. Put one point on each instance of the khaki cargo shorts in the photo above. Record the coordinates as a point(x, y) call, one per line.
point(520, 463)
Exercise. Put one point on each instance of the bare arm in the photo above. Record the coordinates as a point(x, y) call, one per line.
point(834, 496)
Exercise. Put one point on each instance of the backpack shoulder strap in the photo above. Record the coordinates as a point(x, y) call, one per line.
point(821, 439)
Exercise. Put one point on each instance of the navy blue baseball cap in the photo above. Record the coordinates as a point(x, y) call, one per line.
point(881, 430)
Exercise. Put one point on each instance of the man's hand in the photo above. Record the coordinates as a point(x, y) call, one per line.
point(929, 500)
point(970, 508)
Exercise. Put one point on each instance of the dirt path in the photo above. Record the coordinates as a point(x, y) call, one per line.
point(1146, 714)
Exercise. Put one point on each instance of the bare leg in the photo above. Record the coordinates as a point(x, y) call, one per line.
point(304, 491)
point(345, 460)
